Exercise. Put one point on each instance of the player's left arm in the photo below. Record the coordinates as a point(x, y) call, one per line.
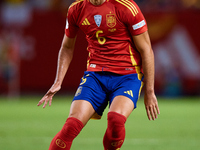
point(143, 45)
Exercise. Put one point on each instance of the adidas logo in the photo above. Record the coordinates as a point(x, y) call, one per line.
point(129, 92)
point(86, 22)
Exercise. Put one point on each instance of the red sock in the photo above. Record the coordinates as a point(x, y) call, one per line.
point(63, 139)
point(115, 133)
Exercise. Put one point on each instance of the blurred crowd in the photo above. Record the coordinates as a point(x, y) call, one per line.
point(167, 5)
point(146, 5)
point(38, 4)
point(15, 15)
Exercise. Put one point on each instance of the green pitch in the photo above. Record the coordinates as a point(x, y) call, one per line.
point(24, 126)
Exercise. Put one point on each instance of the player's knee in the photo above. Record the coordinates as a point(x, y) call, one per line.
point(116, 124)
point(115, 133)
point(116, 119)
point(84, 119)
point(72, 127)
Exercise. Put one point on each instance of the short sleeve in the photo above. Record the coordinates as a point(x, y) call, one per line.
point(71, 28)
point(133, 18)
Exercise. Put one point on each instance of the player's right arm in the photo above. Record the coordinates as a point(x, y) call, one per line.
point(64, 59)
point(65, 53)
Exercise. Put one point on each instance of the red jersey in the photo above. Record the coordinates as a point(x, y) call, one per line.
point(109, 28)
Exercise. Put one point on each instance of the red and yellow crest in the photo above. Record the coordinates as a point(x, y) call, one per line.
point(110, 20)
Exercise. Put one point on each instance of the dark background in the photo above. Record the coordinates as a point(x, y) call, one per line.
point(31, 33)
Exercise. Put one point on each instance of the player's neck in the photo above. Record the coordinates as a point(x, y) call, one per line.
point(97, 2)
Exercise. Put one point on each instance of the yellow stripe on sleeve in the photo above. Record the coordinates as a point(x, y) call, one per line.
point(129, 5)
point(74, 3)
point(136, 10)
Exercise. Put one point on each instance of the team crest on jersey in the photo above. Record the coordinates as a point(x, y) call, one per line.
point(110, 20)
point(98, 19)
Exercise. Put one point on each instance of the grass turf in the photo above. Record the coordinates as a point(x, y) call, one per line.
point(23, 125)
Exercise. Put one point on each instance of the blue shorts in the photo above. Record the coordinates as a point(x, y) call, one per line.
point(100, 88)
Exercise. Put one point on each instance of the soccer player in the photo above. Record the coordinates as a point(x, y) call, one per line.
point(120, 60)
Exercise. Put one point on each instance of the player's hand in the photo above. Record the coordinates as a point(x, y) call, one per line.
point(49, 95)
point(151, 105)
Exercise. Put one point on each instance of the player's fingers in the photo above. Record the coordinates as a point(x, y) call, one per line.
point(155, 113)
point(152, 113)
point(50, 101)
point(40, 102)
point(148, 113)
point(45, 103)
point(157, 108)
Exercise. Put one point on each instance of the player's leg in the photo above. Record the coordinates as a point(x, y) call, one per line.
point(120, 108)
point(122, 105)
point(80, 112)
point(122, 102)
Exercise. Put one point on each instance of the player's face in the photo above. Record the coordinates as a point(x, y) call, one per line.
point(97, 2)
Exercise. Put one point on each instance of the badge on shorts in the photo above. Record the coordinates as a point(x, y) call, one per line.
point(78, 92)
point(97, 19)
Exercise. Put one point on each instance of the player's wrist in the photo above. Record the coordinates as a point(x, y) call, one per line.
point(57, 83)
point(149, 90)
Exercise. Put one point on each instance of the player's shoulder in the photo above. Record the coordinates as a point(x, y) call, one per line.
point(126, 6)
point(76, 5)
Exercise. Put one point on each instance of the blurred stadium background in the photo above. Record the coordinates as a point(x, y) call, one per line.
point(31, 32)
point(30, 37)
